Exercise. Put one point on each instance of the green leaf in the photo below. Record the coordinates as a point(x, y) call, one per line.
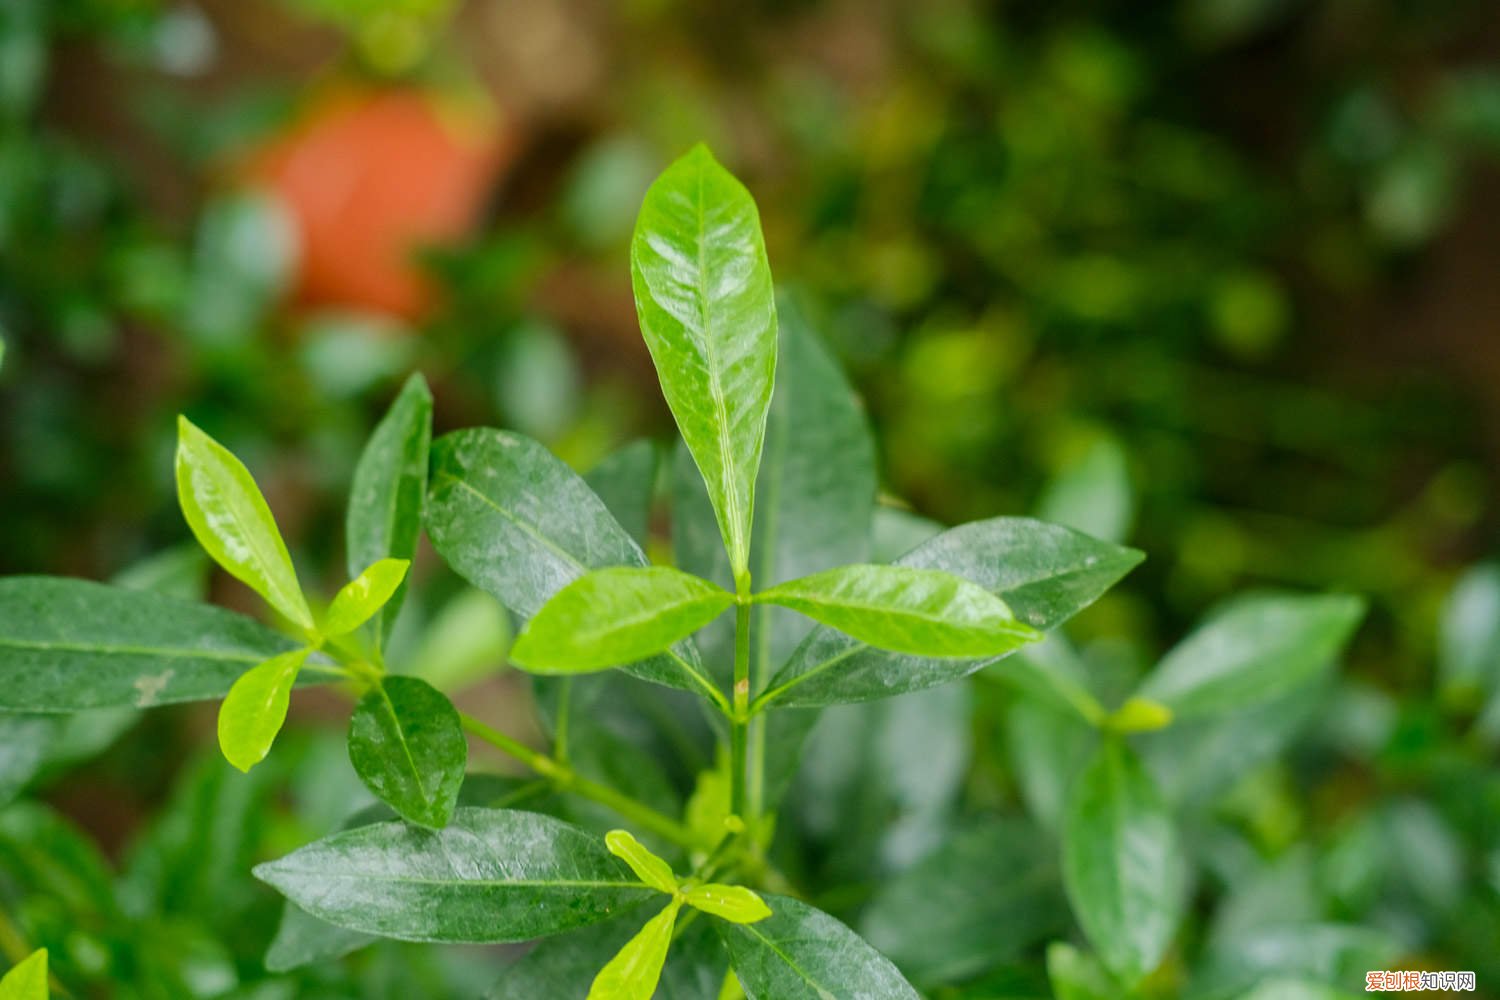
point(813, 510)
point(1139, 715)
point(1469, 637)
point(1092, 493)
point(67, 645)
point(407, 745)
point(649, 868)
point(1045, 573)
point(359, 599)
point(1122, 863)
point(255, 709)
point(26, 742)
point(625, 480)
point(385, 500)
point(932, 923)
point(634, 972)
point(800, 953)
point(1076, 976)
point(27, 980)
point(302, 939)
point(733, 903)
point(1252, 649)
point(490, 875)
point(924, 612)
point(230, 519)
point(516, 522)
point(615, 616)
point(708, 314)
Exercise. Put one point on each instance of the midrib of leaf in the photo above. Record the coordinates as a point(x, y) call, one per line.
point(405, 745)
point(903, 614)
point(740, 553)
point(823, 992)
point(563, 554)
point(171, 651)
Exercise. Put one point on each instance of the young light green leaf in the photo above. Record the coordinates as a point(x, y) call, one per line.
point(614, 616)
point(28, 979)
point(68, 645)
point(516, 522)
point(255, 709)
point(1122, 864)
point(229, 517)
point(1045, 573)
point(800, 953)
point(924, 612)
point(490, 875)
point(366, 594)
point(390, 483)
point(733, 903)
point(407, 745)
point(634, 972)
point(1139, 715)
point(708, 313)
point(814, 500)
point(649, 868)
point(1252, 649)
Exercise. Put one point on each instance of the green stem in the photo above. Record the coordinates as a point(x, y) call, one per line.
point(564, 707)
point(739, 721)
point(566, 779)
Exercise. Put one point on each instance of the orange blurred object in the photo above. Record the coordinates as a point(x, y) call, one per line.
point(373, 176)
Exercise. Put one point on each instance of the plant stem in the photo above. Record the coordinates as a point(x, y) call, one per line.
point(564, 709)
point(740, 720)
point(566, 779)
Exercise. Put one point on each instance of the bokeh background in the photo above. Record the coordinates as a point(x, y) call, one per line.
point(1219, 278)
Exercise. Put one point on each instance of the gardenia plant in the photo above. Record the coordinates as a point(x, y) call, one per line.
point(774, 611)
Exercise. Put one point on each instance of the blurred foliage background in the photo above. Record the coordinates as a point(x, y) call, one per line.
point(1215, 277)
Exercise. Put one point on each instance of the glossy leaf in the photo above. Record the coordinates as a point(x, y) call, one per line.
point(229, 517)
point(1469, 647)
point(924, 612)
point(625, 480)
point(649, 868)
point(933, 922)
point(27, 980)
point(359, 599)
point(490, 875)
point(801, 953)
point(813, 510)
point(708, 314)
point(635, 970)
point(255, 709)
point(1122, 863)
point(302, 939)
point(384, 518)
point(1252, 649)
point(25, 744)
point(1045, 573)
point(733, 903)
point(614, 616)
point(67, 645)
point(407, 745)
point(516, 522)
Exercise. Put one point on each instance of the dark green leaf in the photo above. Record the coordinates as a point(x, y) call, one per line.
point(1122, 863)
point(385, 500)
point(25, 742)
point(229, 517)
point(489, 875)
point(302, 939)
point(616, 616)
point(800, 953)
point(924, 612)
point(516, 522)
point(626, 480)
point(1045, 573)
point(407, 745)
point(67, 645)
point(1252, 649)
point(708, 313)
point(934, 924)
